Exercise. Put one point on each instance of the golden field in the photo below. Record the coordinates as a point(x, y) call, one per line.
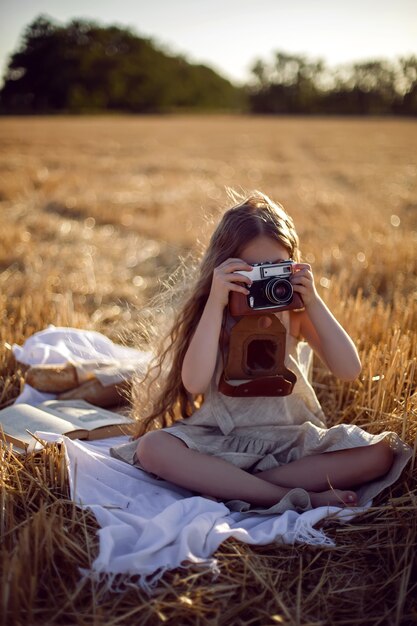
point(95, 214)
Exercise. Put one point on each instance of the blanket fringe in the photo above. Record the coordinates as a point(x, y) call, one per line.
point(120, 583)
point(304, 532)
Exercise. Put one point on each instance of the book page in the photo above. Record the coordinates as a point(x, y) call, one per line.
point(82, 414)
point(19, 417)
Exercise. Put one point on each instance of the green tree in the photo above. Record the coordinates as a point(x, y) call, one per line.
point(289, 85)
point(86, 67)
point(408, 85)
point(293, 84)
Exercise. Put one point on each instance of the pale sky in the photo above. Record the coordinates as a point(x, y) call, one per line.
point(229, 35)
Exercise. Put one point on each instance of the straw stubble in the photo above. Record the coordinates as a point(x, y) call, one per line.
point(93, 212)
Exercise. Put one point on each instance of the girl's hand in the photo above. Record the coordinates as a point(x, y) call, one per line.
point(225, 280)
point(303, 283)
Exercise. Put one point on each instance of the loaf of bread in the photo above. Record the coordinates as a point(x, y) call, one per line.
point(52, 378)
point(93, 391)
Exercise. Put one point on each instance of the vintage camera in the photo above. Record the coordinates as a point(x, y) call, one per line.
point(271, 290)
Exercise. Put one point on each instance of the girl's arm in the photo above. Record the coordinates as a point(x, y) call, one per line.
point(321, 329)
point(200, 359)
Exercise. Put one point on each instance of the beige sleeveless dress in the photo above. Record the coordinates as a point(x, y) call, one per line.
point(258, 434)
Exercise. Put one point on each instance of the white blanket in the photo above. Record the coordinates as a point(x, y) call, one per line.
point(149, 526)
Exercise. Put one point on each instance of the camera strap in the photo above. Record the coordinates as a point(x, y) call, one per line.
point(255, 362)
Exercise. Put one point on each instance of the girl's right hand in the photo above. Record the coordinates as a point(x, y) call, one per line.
point(225, 280)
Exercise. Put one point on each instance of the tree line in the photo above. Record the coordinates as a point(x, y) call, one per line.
point(295, 84)
point(84, 67)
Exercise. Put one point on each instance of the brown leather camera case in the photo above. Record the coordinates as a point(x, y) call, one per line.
point(256, 357)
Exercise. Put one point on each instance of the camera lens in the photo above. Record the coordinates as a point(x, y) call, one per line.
point(279, 291)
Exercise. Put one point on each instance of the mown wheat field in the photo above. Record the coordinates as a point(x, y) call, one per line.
point(95, 214)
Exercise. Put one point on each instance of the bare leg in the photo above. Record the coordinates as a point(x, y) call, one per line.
point(169, 457)
point(342, 469)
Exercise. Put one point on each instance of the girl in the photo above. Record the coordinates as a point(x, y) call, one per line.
point(266, 454)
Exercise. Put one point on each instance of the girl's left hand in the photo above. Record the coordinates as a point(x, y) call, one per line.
point(303, 283)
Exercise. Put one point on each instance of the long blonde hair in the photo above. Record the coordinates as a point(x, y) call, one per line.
point(160, 398)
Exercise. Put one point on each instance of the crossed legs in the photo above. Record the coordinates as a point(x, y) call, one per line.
point(328, 477)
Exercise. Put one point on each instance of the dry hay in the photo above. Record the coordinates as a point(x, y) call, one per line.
point(90, 212)
point(368, 578)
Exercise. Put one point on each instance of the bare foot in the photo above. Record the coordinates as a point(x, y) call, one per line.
point(333, 497)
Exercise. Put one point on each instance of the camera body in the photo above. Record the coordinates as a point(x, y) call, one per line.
point(271, 290)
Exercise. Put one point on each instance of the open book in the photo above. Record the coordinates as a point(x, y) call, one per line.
point(76, 419)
